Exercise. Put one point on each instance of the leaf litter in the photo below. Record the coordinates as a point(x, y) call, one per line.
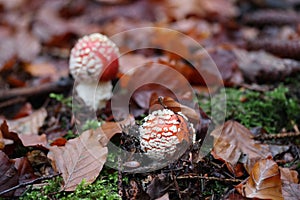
point(238, 166)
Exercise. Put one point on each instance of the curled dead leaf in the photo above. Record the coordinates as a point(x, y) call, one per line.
point(264, 181)
point(234, 141)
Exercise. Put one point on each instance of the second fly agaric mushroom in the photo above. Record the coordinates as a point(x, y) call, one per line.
point(94, 63)
point(162, 131)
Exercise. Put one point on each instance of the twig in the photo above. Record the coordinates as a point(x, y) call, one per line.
point(176, 186)
point(11, 102)
point(28, 183)
point(209, 178)
point(277, 136)
point(58, 86)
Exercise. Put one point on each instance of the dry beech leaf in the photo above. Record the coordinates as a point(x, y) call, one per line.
point(173, 105)
point(288, 175)
point(81, 158)
point(32, 140)
point(29, 125)
point(264, 181)
point(291, 191)
point(41, 69)
point(232, 141)
point(290, 186)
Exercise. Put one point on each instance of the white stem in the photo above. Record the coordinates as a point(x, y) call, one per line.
point(95, 94)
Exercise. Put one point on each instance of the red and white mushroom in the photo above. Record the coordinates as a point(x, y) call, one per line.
point(162, 131)
point(93, 64)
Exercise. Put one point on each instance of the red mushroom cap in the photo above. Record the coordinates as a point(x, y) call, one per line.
point(94, 57)
point(161, 131)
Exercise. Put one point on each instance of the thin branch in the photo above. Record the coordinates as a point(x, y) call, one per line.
point(209, 178)
point(58, 86)
point(29, 183)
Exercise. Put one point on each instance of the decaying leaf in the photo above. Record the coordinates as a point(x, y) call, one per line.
point(158, 186)
point(288, 175)
point(29, 125)
point(291, 191)
point(290, 185)
point(25, 172)
point(233, 142)
point(264, 181)
point(260, 66)
point(180, 9)
point(81, 158)
point(9, 175)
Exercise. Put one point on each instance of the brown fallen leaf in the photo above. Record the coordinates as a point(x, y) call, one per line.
point(11, 139)
point(29, 125)
point(291, 191)
point(264, 181)
point(81, 158)
point(180, 9)
point(290, 183)
point(261, 67)
point(173, 105)
point(9, 175)
point(32, 140)
point(2, 143)
point(25, 172)
point(234, 141)
point(288, 175)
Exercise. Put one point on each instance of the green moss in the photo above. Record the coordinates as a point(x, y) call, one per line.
point(273, 110)
point(104, 188)
point(60, 98)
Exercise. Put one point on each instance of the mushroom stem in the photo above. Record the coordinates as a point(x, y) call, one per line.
point(94, 94)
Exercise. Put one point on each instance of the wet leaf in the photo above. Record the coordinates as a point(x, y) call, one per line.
point(80, 158)
point(264, 181)
point(233, 143)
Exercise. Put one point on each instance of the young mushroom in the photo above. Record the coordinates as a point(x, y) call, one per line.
point(94, 63)
point(162, 132)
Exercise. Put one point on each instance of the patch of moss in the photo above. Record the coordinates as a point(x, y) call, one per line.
point(104, 188)
point(272, 110)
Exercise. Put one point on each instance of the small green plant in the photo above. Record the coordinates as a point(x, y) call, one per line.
point(272, 110)
point(104, 188)
point(60, 98)
point(91, 124)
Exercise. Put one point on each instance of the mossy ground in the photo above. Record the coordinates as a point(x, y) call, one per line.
point(104, 188)
point(273, 110)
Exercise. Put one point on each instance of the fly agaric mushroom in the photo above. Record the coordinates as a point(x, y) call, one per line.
point(94, 63)
point(162, 131)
